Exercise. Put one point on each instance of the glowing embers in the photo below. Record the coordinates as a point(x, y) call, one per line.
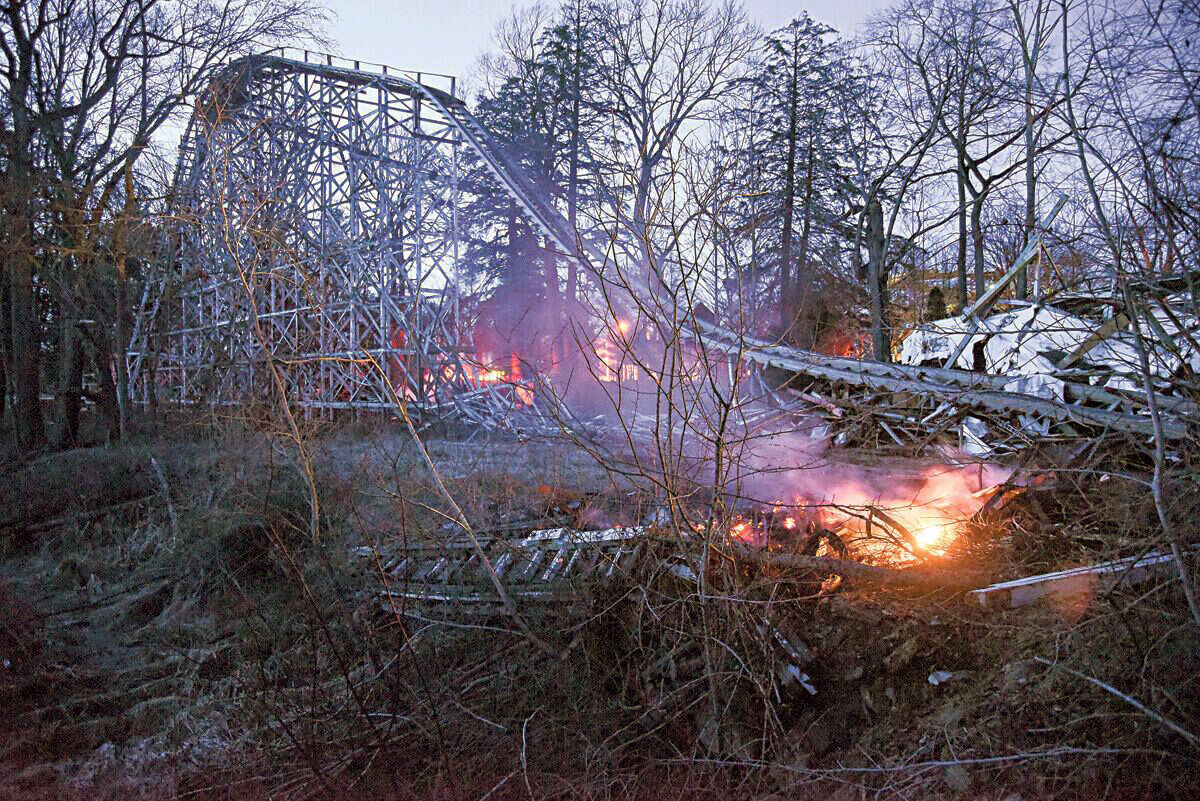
point(490, 376)
point(931, 536)
point(869, 533)
point(903, 532)
point(919, 517)
point(744, 531)
point(898, 528)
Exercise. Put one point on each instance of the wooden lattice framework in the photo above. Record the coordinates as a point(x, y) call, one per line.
point(314, 233)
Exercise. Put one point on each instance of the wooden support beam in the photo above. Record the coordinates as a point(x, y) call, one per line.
point(1074, 581)
point(1110, 326)
point(990, 295)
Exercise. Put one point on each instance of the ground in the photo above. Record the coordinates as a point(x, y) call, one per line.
point(189, 635)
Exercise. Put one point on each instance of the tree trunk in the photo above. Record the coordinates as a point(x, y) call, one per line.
point(787, 308)
point(881, 339)
point(550, 266)
point(5, 348)
point(573, 162)
point(963, 294)
point(120, 343)
point(655, 283)
point(977, 242)
point(807, 333)
point(552, 313)
point(1021, 285)
point(70, 388)
point(68, 393)
point(24, 338)
point(106, 402)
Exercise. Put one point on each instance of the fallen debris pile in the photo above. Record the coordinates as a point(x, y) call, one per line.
point(821, 650)
point(494, 574)
point(863, 401)
point(1071, 352)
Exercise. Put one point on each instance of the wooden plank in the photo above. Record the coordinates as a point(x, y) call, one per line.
point(990, 295)
point(1110, 326)
point(1074, 581)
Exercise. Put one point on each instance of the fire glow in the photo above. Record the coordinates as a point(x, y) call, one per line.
point(813, 495)
point(489, 375)
point(612, 358)
point(921, 518)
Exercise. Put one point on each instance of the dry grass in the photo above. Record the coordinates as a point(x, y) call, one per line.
point(238, 658)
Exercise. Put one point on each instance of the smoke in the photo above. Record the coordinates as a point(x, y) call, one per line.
point(800, 472)
point(670, 408)
point(791, 467)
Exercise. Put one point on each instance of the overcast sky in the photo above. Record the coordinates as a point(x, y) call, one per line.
point(447, 36)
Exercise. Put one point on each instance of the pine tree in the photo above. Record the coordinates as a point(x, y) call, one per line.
point(793, 165)
point(541, 114)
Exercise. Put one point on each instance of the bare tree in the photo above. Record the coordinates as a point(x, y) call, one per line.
point(1135, 134)
point(1032, 30)
point(895, 122)
point(89, 83)
point(666, 65)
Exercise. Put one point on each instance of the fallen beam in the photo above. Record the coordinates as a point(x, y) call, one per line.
point(903, 577)
point(1075, 581)
point(989, 296)
point(1109, 327)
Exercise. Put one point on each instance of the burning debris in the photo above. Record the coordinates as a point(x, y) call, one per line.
point(565, 567)
point(882, 508)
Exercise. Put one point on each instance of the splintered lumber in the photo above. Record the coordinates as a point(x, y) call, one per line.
point(1109, 327)
point(543, 565)
point(549, 565)
point(993, 292)
point(1074, 581)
